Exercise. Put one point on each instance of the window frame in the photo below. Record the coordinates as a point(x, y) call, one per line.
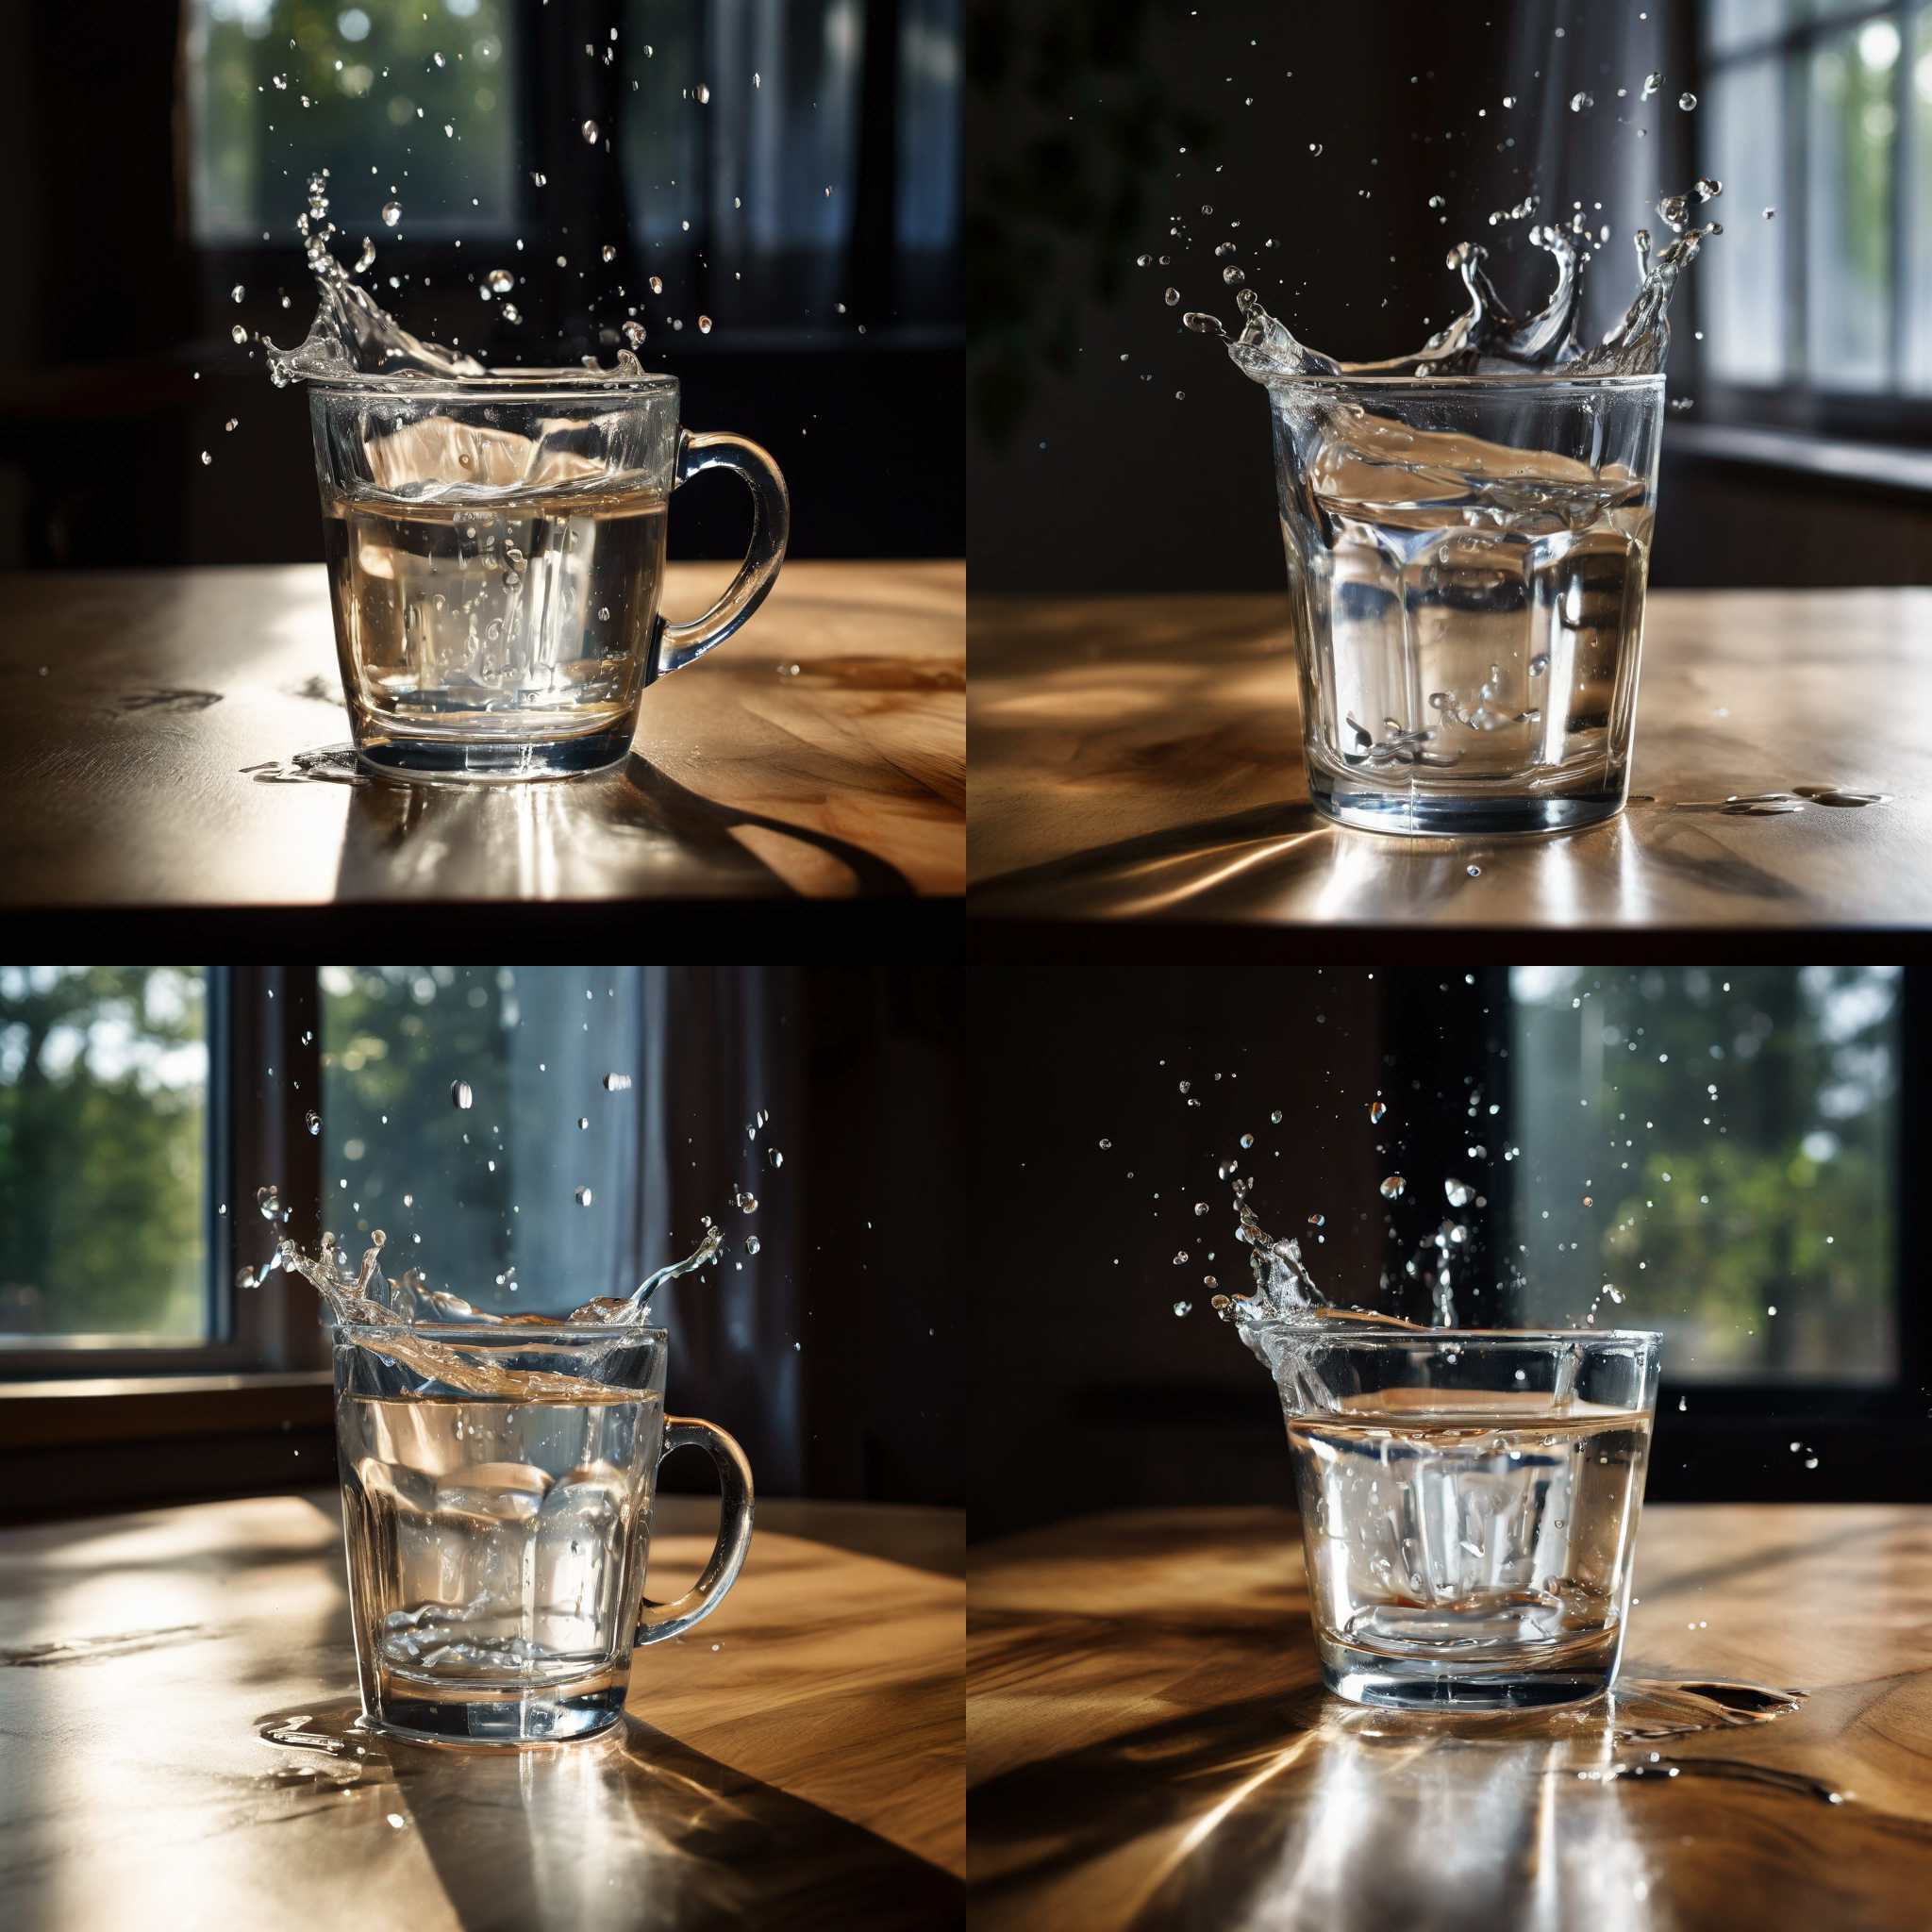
point(255, 1017)
point(1728, 1443)
point(1795, 401)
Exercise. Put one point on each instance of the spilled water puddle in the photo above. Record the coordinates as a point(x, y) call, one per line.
point(328, 764)
point(334, 1754)
point(1767, 805)
point(1735, 1769)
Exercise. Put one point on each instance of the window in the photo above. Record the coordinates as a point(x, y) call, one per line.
point(1822, 111)
point(780, 166)
point(104, 1167)
point(1713, 1152)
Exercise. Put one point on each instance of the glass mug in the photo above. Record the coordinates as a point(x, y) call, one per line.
point(1469, 1504)
point(495, 551)
point(1467, 563)
point(497, 1514)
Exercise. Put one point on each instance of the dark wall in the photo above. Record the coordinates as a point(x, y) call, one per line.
point(1084, 471)
point(117, 370)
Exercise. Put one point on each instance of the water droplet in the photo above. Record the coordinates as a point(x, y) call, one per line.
point(1247, 1140)
point(657, 285)
point(1686, 102)
point(1459, 1194)
point(583, 1197)
point(775, 1157)
point(746, 1204)
point(1578, 102)
point(1275, 1118)
point(1437, 201)
point(237, 291)
point(499, 281)
point(609, 252)
point(1180, 1261)
point(392, 213)
point(510, 312)
point(703, 95)
point(1318, 1221)
point(1376, 1109)
point(1652, 82)
point(1394, 1186)
point(313, 1122)
point(205, 457)
point(1184, 1307)
point(1314, 147)
point(617, 1083)
point(460, 1094)
point(589, 132)
point(269, 1202)
point(238, 334)
point(1475, 871)
point(583, 1123)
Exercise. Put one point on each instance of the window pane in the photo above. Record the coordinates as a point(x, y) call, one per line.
point(279, 88)
point(1736, 1132)
point(486, 1198)
point(1849, 207)
point(1918, 369)
point(1744, 127)
point(103, 1153)
point(1732, 24)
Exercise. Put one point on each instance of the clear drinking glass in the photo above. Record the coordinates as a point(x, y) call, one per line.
point(1469, 1501)
point(495, 552)
point(1467, 559)
point(496, 1508)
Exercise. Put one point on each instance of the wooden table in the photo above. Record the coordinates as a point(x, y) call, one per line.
point(1138, 760)
point(793, 1762)
point(138, 708)
point(1148, 1744)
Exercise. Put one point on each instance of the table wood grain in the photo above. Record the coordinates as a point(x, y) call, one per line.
point(1149, 1745)
point(1138, 760)
point(136, 707)
point(796, 1759)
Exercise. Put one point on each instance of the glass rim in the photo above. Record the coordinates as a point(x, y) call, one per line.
point(499, 385)
point(1380, 1333)
point(501, 1334)
point(1500, 379)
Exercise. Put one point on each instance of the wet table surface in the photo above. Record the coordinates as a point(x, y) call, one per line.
point(795, 1760)
point(1139, 759)
point(135, 707)
point(1149, 1746)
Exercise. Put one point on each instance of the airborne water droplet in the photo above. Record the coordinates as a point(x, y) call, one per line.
point(313, 1122)
point(1686, 102)
point(1394, 1186)
point(616, 1083)
point(704, 325)
point(460, 1095)
point(392, 213)
point(589, 132)
point(1376, 1109)
point(499, 281)
point(1184, 1307)
point(583, 1197)
point(609, 252)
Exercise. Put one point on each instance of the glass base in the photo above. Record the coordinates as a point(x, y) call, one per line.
point(1416, 1682)
point(427, 761)
point(496, 1715)
point(1437, 814)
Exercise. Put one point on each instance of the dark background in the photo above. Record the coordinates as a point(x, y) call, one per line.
point(1106, 1400)
point(116, 367)
point(1082, 476)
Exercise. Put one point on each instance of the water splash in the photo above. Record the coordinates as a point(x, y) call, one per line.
point(1489, 338)
point(354, 337)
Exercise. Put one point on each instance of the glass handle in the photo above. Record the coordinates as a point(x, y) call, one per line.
point(656, 1621)
point(678, 644)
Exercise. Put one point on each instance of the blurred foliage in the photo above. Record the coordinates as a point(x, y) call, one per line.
point(1068, 129)
point(281, 88)
point(103, 1121)
point(1736, 1131)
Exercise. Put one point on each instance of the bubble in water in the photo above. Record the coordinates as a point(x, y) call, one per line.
point(392, 213)
point(460, 1095)
point(1394, 1186)
point(1184, 1307)
point(617, 1083)
point(1376, 1109)
point(1686, 102)
point(583, 1197)
point(499, 281)
point(312, 1120)
point(589, 132)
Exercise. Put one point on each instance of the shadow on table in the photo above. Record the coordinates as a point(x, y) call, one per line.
point(634, 834)
point(631, 1830)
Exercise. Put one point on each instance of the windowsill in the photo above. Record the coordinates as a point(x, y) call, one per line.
point(1862, 465)
point(122, 1408)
